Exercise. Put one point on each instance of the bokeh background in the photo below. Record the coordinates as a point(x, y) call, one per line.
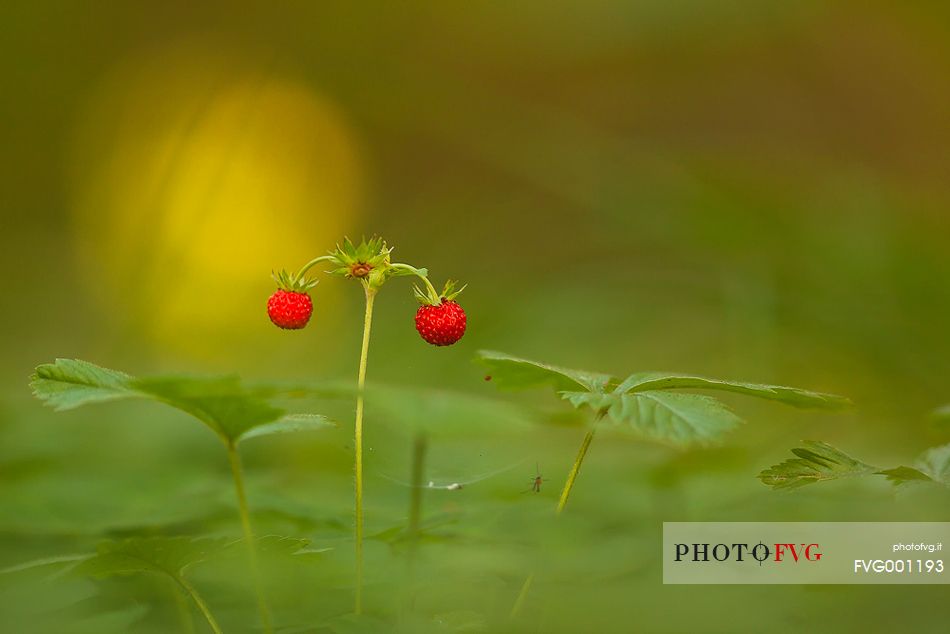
point(749, 190)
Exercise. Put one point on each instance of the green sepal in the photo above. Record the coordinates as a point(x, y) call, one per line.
point(370, 262)
point(290, 282)
point(449, 293)
point(373, 252)
point(423, 297)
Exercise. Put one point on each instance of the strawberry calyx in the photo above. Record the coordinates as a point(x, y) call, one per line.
point(430, 297)
point(298, 283)
point(367, 261)
point(370, 262)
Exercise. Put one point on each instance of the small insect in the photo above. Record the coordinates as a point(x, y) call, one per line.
point(488, 377)
point(452, 486)
point(536, 480)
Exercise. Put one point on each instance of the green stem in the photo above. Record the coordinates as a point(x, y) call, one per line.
point(237, 473)
point(184, 611)
point(562, 502)
point(576, 468)
point(522, 596)
point(407, 267)
point(306, 267)
point(361, 386)
point(190, 591)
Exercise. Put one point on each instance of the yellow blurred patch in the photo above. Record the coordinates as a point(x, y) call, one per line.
point(196, 174)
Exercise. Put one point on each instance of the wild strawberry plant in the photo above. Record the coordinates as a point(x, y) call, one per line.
point(439, 321)
point(651, 405)
point(233, 412)
point(647, 403)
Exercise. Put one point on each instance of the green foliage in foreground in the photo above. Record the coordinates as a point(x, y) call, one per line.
point(163, 557)
point(172, 556)
point(230, 410)
point(818, 462)
point(235, 412)
point(648, 403)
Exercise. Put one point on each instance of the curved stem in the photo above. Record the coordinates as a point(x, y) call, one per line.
point(306, 267)
point(578, 461)
point(184, 610)
point(562, 502)
point(519, 602)
point(415, 271)
point(237, 473)
point(358, 444)
point(190, 591)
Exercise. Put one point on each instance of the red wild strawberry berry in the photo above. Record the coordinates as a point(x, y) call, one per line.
point(289, 310)
point(442, 324)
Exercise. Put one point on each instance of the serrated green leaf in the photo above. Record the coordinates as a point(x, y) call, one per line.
point(221, 403)
point(231, 410)
point(905, 475)
point(646, 381)
point(815, 462)
point(280, 545)
point(169, 556)
point(680, 419)
point(289, 424)
point(931, 467)
point(268, 546)
point(69, 383)
point(514, 372)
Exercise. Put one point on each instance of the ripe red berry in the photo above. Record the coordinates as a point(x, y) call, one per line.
point(442, 324)
point(290, 310)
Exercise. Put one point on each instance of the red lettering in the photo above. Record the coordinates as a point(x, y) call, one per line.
point(780, 551)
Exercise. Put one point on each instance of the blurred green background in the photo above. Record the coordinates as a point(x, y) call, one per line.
point(749, 190)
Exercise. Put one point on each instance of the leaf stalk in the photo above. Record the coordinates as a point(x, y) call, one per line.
point(578, 461)
point(202, 606)
point(238, 475)
point(562, 502)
